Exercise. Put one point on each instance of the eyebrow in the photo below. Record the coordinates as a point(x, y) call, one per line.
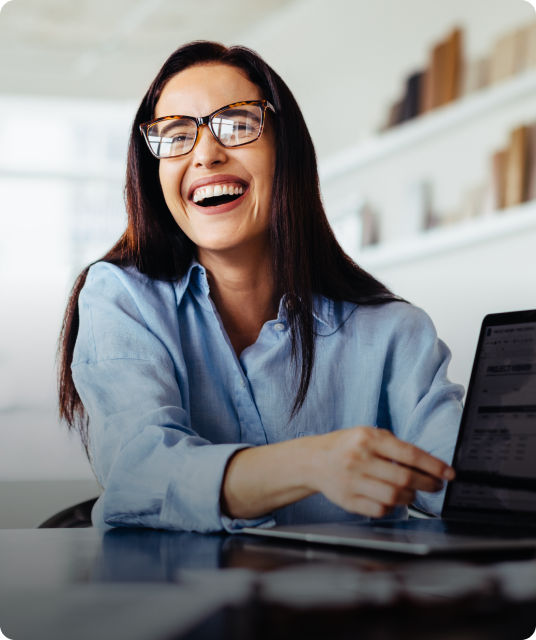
point(173, 123)
point(240, 112)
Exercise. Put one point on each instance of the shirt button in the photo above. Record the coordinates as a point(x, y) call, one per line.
point(242, 382)
point(279, 326)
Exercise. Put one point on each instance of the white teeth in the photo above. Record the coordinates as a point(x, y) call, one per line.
point(217, 190)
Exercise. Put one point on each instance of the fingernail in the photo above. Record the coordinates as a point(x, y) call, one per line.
point(449, 473)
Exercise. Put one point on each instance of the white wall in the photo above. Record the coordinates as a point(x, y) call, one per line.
point(349, 57)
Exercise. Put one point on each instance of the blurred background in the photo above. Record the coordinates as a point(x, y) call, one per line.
point(422, 113)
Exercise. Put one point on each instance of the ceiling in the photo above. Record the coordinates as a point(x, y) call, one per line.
point(111, 48)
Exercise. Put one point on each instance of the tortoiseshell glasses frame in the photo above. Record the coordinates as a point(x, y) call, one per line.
point(146, 127)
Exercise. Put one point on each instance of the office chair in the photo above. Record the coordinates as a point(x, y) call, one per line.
point(76, 517)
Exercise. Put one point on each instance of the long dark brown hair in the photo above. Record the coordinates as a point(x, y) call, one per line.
point(306, 258)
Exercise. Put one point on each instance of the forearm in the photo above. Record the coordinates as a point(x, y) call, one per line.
point(262, 479)
point(351, 467)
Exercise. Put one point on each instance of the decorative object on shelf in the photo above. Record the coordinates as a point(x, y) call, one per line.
point(473, 204)
point(370, 233)
point(357, 226)
point(419, 214)
point(519, 221)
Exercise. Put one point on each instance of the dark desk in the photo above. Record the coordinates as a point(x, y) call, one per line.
point(78, 584)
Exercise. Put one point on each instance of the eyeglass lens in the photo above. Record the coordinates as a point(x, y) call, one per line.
point(232, 127)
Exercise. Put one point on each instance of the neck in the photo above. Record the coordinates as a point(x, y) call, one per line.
point(242, 290)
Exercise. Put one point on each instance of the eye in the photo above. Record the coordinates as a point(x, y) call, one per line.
point(243, 127)
point(183, 137)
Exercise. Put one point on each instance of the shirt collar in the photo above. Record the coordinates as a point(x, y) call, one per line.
point(323, 308)
point(197, 275)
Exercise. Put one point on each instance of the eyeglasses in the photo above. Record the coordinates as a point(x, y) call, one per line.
point(232, 126)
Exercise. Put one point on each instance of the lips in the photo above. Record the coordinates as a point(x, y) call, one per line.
point(218, 193)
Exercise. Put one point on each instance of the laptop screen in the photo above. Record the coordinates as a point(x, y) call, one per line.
point(495, 458)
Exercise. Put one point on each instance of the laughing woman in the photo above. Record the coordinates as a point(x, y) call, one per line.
point(226, 364)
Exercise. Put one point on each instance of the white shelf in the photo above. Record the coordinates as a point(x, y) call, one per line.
point(442, 240)
point(427, 126)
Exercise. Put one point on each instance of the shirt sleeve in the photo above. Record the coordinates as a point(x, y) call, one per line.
point(155, 470)
point(419, 404)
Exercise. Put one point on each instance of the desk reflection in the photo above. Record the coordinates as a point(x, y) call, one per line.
point(146, 555)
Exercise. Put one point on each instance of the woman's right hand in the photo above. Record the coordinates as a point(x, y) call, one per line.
point(363, 470)
point(369, 471)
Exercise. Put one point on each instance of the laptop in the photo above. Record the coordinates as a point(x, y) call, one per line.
point(491, 504)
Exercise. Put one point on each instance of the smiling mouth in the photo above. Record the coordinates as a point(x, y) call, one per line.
point(216, 201)
point(217, 195)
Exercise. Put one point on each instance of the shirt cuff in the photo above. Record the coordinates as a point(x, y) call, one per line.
point(236, 525)
point(192, 501)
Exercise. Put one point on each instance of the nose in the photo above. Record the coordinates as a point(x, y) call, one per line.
point(207, 153)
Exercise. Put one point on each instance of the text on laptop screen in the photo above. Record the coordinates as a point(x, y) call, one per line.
point(496, 458)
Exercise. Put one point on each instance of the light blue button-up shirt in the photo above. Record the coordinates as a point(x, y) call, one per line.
point(169, 401)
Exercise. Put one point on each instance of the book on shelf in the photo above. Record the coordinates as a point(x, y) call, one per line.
point(530, 47)
point(443, 77)
point(453, 67)
point(433, 78)
point(508, 56)
point(475, 75)
point(531, 163)
point(425, 88)
point(498, 178)
point(394, 114)
point(516, 168)
point(410, 106)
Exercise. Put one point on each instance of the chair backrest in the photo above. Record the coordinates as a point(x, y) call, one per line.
point(76, 517)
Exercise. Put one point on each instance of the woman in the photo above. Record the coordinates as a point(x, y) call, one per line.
point(226, 363)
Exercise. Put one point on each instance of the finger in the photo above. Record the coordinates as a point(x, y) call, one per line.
point(367, 507)
point(388, 494)
point(401, 475)
point(407, 454)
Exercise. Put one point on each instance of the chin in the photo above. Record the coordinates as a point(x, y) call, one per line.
point(220, 246)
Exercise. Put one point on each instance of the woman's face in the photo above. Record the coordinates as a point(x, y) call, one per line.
point(199, 91)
